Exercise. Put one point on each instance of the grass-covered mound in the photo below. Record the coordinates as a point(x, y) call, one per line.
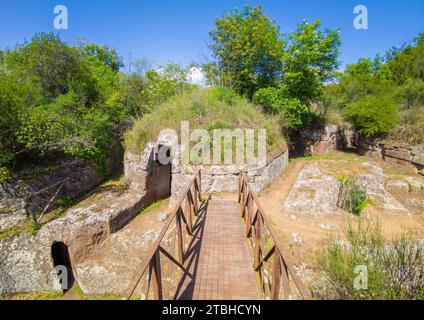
point(211, 108)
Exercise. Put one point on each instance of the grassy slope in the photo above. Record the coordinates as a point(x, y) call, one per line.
point(211, 108)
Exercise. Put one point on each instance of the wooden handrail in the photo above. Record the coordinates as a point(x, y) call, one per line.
point(256, 225)
point(152, 259)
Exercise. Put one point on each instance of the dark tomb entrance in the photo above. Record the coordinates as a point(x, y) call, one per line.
point(60, 255)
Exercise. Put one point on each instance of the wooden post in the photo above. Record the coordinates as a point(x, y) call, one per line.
point(276, 276)
point(285, 279)
point(189, 216)
point(157, 277)
point(180, 238)
point(193, 200)
point(257, 256)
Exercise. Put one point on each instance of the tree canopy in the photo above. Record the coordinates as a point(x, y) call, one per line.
point(248, 50)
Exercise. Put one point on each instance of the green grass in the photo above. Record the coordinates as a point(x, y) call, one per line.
point(29, 228)
point(34, 296)
point(154, 205)
point(211, 108)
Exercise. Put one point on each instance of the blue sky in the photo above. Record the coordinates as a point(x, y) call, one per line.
point(177, 30)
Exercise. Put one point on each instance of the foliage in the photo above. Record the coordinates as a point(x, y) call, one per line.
point(59, 100)
point(395, 270)
point(391, 86)
point(293, 113)
point(372, 115)
point(409, 63)
point(248, 50)
point(352, 198)
point(310, 59)
point(251, 54)
point(105, 54)
point(211, 108)
point(5, 175)
point(145, 91)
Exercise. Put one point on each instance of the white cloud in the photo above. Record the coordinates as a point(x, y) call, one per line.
point(197, 77)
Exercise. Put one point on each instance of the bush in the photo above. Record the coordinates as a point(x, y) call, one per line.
point(293, 113)
point(5, 176)
point(395, 270)
point(352, 198)
point(59, 100)
point(372, 115)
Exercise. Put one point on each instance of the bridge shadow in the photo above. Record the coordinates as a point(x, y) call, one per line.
point(186, 285)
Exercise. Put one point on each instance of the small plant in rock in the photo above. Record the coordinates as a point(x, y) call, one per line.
point(5, 176)
point(352, 198)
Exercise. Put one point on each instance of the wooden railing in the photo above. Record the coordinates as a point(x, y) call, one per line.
point(182, 215)
point(271, 262)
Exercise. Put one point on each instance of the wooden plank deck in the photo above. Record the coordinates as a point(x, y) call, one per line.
point(218, 257)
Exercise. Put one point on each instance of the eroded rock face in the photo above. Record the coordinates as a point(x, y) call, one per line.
point(373, 183)
point(23, 265)
point(26, 263)
point(313, 193)
point(320, 141)
point(16, 203)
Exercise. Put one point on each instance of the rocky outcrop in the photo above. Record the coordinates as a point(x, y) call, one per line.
point(37, 186)
point(373, 182)
point(396, 152)
point(318, 141)
point(26, 262)
point(313, 193)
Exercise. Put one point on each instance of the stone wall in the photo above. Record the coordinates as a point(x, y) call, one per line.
point(320, 141)
point(143, 173)
point(395, 152)
point(224, 178)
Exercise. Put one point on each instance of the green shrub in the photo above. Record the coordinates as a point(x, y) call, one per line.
point(352, 198)
point(293, 113)
point(58, 100)
point(5, 175)
point(372, 115)
point(395, 269)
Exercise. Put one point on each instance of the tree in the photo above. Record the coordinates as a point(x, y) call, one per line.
point(310, 59)
point(409, 63)
point(248, 50)
point(107, 55)
point(57, 100)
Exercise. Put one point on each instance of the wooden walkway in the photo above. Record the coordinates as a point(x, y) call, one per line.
point(214, 256)
point(218, 257)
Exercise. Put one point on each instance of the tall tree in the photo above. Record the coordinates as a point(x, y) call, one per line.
point(310, 59)
point(248, 50)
